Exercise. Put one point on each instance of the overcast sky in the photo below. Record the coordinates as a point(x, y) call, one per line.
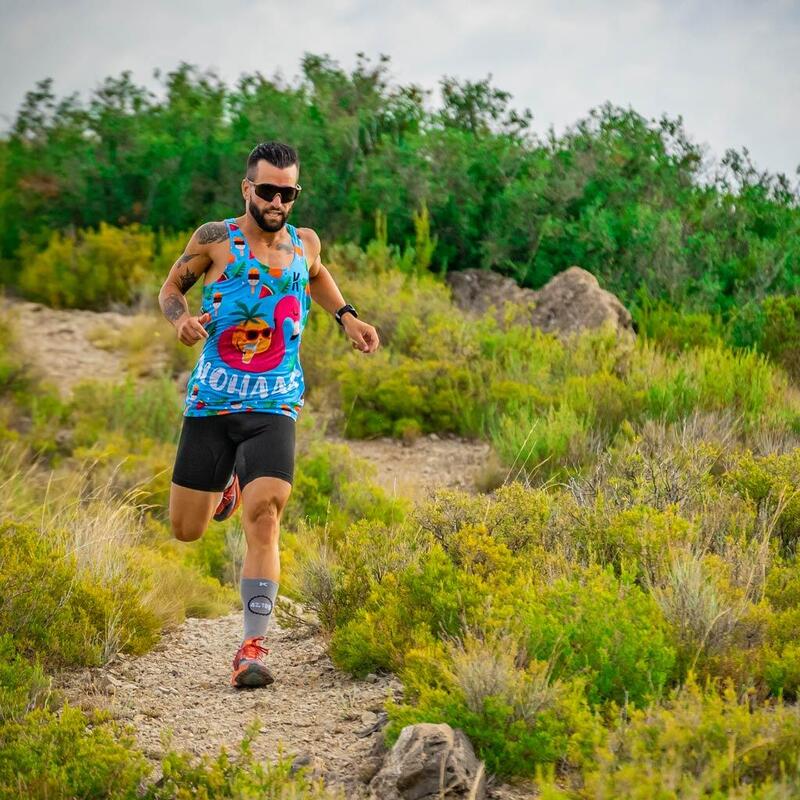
point(731, 69)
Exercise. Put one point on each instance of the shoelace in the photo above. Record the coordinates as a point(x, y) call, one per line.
point(252, 649)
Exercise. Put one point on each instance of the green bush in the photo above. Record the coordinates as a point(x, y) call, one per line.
point(333, 488)
point(609, 631)
point(563, 730)
point(699, 743)
point(23, 684)
point(90, 270)
point(677, 329)
point(427, 600)
point(137, 409)
point(771, 481)
point(67, 755)
point(59, 613)
point(780, 336)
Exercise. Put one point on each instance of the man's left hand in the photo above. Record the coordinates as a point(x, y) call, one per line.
point(363, 336)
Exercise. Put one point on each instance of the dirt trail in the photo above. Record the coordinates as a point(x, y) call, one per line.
point(57, 345)
point(327, 719)
point(312, 710)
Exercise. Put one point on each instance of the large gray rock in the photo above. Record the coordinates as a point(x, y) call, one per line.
point(429, 762)
point(569, 302)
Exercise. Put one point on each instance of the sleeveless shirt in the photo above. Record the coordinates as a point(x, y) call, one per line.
point(251, 358)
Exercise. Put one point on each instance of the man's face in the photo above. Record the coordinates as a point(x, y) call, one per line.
point(269, 215)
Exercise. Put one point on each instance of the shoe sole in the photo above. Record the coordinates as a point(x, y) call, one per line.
point(252, 676)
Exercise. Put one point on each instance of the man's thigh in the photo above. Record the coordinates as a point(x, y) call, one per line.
point(203, 464)
point(206, 454)
point(266, 445)
point(190, 510)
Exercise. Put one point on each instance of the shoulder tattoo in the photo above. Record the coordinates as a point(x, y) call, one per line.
point(212, 232)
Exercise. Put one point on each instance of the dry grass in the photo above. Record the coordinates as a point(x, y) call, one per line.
point(705, 595)
point(499, 668)
point(315, 582)
point(148, 345)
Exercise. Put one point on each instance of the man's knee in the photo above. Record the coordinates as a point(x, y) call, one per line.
point(185, 531)
point(262, 521)
point(264, 511)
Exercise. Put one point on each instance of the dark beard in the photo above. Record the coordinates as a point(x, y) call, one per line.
point(269, 226)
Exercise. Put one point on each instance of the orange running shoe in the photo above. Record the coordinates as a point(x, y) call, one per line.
point(249, 668)
point(231, 498)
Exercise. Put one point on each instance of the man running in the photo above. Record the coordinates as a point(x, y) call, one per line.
point(244, 394)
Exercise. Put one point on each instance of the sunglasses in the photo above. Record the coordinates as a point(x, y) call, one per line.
point(266, 191)
point(251, 335)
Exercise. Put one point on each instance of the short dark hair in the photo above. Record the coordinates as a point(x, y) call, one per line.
point(276, 153)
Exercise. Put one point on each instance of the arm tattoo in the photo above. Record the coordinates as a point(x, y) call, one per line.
point(212, 232)
point(186, 280)
point(186, 257)
point(173, 307)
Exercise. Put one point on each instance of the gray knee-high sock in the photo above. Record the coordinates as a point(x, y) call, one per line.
point(258, 601)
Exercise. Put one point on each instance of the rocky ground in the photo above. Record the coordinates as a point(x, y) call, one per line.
point(312, 712)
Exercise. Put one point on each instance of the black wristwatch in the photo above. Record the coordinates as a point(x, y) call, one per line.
point(344, 310)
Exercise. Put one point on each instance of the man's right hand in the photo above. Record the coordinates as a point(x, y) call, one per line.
point(190, 329)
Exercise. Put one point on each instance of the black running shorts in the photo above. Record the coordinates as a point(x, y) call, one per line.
point(257, 444)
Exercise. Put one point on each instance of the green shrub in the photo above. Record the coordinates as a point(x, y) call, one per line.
point(609, 631)
point(23, 684)
point(16, 378)
point(428, 600)
point(90, 270)
point(61, 614)
point(780, 337)
point(138, 409)
point(676, 329)
point(699, 743)
point(558, 443)
point(67, 755)
point(333, 488)
point(562, 731)
point(771, 481)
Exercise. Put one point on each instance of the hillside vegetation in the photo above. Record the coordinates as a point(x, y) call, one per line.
point(634, 201)
point(616, 616)
point(636, 572)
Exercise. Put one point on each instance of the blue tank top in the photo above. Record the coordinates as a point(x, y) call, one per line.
point(251, 358)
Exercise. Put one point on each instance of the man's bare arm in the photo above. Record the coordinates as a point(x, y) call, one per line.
point(185, 272)
point(188, 269)
point(325, 292)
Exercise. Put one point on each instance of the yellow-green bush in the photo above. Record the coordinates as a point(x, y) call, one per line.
point(23, 684)
point(58, 612)
point(49, 756)
point(91, 269)
point(333, 488)
point(773, 482)
point(67, 755)
point(699, 743)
